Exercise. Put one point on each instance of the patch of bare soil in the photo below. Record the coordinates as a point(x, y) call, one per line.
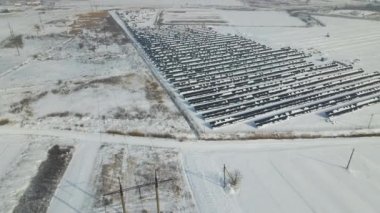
point(153, 91)
point(69, 87)
point(156, 111)
point(37, 196)
point(135, 165)
point(89, 21)
point(109, 176)
point(99, 22)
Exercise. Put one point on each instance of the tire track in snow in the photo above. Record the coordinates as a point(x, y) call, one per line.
point(292, 187)
point(198, 186)
point(209, 197)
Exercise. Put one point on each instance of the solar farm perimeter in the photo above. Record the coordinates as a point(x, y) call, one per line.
point(225, 79)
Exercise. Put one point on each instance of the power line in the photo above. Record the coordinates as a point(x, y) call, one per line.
point(139, 186)
point(156, 187)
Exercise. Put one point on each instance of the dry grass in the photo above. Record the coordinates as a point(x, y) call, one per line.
point(58, 114)
point(113, 80)
point(136, 133)
point(285, 135)
point(135, 165)
point(235, 178)
point(4, 121)
point(68, 87)
point(24, 104)
point(12, 42)
point(162, 135)
point(65, 114)
point(134, 114)
point(89, 21)
point(99, 22)
point(153, 91)
point(109, 173)
point(115, 132)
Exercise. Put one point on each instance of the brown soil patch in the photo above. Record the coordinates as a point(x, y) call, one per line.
point(89, 21)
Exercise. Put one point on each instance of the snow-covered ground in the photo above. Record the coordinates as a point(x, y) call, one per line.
point(21, 156)
point(277, 175)
point(302, 176)
point(349, 41)
point(47, 61)
point(57, 92)
point(231, 18)
point(82, 81)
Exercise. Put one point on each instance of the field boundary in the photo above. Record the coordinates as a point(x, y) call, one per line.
point(157, 76)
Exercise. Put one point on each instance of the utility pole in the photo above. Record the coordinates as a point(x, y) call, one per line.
point(105, 36)
point(105, 204)
point(42, 26)
point(10, 30)
point(224, 175)
point(12, 37)
point(122, 197)
point(370, 121)
point(156, 186)
point(349, 161)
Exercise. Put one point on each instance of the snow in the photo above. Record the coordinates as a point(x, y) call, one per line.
point(20, 25)
point(20, 159)
point(73, 194)
point(260, 18)
point(54, 63)
point(349, 39)
point(281, 30)
point(230, 17)
point(167, 3)
point(353, 13)
point(288, 176)
point(277, 176)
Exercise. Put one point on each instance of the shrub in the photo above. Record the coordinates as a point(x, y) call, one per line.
point(115, 132)
point(136, 134)
point(235, 178)
point(4, 121)
point(13, 42)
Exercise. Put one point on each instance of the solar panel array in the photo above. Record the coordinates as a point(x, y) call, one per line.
point(229, 78)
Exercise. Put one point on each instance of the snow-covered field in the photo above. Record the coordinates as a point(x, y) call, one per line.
point(277, 176)
point(76, 88)
point(260, 19)
point(231, 18)
point(82, 81)
point(302, 176)
point(97, 163)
